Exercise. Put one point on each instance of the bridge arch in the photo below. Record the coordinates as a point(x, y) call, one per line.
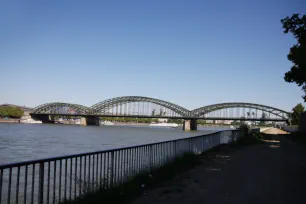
point(210, 108)
point(119, 101)
point(61, 108)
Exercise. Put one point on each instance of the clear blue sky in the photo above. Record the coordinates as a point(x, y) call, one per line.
point(191, 52)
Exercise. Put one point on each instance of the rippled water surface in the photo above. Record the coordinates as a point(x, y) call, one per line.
point(21, 142)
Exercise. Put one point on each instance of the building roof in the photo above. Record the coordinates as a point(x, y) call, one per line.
point(24, 108)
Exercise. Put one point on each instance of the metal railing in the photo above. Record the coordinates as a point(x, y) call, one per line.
point(62, 178)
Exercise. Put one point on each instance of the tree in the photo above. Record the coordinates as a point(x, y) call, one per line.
point(296, 113)
point(296, 25)
point(263, 116)
point(153, 112)
point(13, 112)
point(235, 123)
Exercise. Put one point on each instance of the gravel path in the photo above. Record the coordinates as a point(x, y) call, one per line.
point(274, 172)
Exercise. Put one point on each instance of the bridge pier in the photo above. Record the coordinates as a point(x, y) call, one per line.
point(90, 120)
point(83, 121)
point(190, 125)
point(44, 118)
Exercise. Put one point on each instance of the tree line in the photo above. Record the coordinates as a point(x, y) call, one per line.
point(129, 120)
point(12, 112)
point(149, 120)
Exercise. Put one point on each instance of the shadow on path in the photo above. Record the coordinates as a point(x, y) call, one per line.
point(274, 172)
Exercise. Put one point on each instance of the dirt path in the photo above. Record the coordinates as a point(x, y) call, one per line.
point(267, 173)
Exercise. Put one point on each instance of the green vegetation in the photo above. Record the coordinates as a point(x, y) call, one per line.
point(296, 113)
point(202, 122)
point(161, 113)
point(12, 112)
point(236, 123)
point(263, 116)
point(250, 137)
point(177, 121)
point(129, 120)
point(296, 25)
point(139, 120)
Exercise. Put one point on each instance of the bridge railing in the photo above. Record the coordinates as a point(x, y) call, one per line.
point(62, 178)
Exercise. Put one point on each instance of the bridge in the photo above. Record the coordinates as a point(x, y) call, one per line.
point(145, 107)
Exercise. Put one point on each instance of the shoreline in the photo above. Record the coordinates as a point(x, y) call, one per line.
point(115, 123)
point(10, 121)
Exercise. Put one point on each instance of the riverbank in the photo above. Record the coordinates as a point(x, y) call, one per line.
point(235, 173)
point(272, 172)
point(9, 121)
point(139, 185)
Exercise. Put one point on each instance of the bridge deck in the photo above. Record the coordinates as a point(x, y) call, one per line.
point(168, 117)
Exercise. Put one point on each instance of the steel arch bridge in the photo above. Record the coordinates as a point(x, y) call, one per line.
point(248, 107)
point(61, 108)
point(139, 106)
point(142, 105)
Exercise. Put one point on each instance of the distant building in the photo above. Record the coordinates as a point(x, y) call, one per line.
point(225, 122)
point(26, 110)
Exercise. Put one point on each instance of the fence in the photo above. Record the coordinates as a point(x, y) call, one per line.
point(65, 178)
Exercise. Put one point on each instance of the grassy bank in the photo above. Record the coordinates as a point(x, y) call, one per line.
point(137, 185)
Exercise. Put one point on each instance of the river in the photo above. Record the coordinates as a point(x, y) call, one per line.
point(22, 142)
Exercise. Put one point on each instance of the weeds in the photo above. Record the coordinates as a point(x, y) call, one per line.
point(250, 139)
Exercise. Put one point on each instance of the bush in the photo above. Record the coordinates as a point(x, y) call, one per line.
point(245, 128)
point(13, 112)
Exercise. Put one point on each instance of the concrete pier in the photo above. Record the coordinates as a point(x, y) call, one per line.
point(44, 118)
point(83, 121)
point(190, 125)
point(90, 120)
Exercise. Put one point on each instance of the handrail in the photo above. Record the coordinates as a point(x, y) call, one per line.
point(67, 177)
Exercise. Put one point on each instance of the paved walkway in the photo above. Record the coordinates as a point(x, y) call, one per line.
point(267, 173)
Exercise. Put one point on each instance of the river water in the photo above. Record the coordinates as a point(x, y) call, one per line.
point(22, 142)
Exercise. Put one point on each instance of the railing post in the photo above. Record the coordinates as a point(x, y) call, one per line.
point(202, 144)
point(174, 148)
point(41, 183)
point(112, 170)
point(150, 158)
point(190, 145)
point(1, 178)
